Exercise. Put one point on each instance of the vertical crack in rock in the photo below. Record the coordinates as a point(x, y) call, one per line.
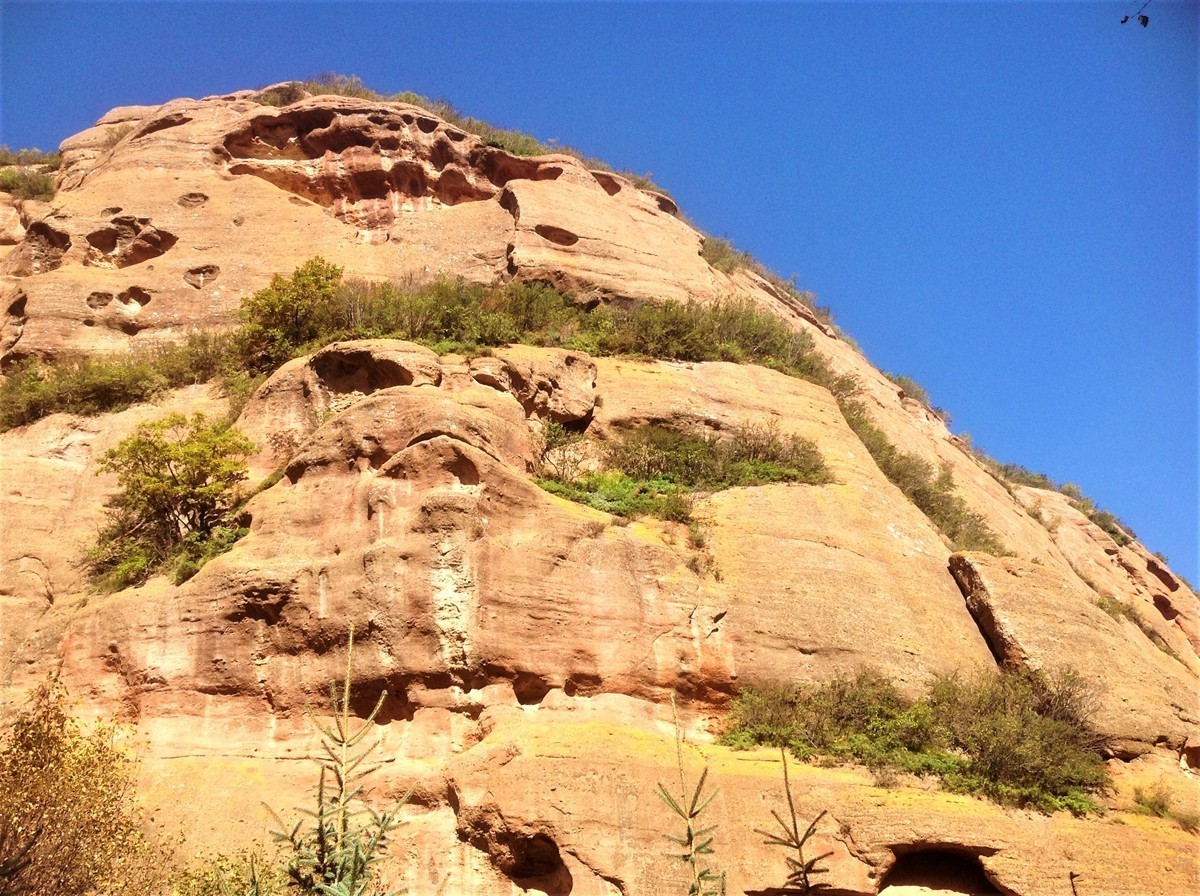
point(1000, 640)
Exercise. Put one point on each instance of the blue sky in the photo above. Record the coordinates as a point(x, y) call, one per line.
point(999, 200)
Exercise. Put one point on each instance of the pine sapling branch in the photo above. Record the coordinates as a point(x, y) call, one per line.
point(800, 870)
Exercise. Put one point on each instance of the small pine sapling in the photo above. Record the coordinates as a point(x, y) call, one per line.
point(334, 854)
point(696, 841)
point(800, 870)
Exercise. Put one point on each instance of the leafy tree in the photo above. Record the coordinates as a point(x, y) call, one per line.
point(68, 821)
point(288, 313)
point(179, 481)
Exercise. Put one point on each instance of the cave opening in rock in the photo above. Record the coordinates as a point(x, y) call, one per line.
point(945, 871)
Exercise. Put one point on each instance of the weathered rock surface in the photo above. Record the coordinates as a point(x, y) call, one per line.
point(529, 645)
point(1027, 611)
point(384, 189)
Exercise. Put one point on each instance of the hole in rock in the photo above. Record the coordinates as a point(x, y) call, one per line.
point(191, 200)
point(1164, 607)
point(530, 688)
point(938, 871)
point(427, 125)
point(127, 241)
point(508, 202)
point(110, 211)
point(548, 172)
point(174, 120)
point(103, 240)
point(454, 187)
point(463, 469)
point(500, 167)
point(394, 708)
point(556, 235)
point(98, 300)
point(202, 276)
point(42, 250)
point(530, 861)
point(51, 238)
point(582, 684)
point(16, 308)
point(665, 204)
point(611, 185)
point(442, 153)
point(358, 371)
point(135, 295)
point(1162, 574)
point(537, 865)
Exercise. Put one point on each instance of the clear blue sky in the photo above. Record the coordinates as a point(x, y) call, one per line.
point(999, 200)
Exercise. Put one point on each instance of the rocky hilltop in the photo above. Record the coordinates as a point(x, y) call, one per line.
point(530, 645)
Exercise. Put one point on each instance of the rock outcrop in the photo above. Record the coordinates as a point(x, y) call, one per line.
point(529, 645)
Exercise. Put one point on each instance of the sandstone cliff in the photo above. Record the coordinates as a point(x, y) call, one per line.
point(530, 645)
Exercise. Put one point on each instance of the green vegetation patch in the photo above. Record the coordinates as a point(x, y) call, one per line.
point(50, 161)
point(930, 490)
point(1018, 738)
point(1015, 474)
point(655, 470)
point(99, 384)
point(25, 184)
point(180, 482)
point(69, 820)
point(294, 316)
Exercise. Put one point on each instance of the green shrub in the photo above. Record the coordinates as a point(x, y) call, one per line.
point(180, 483)
point(29, 157)
point(282, 94)
point(287, 314)
point(333, 850)
point(69, 823)
point(247, 873)
point(1157, 802)
point(722, 255)
point(1018, 738)
point(751, 455)
point(616, 493)
point(79, 385)
point(653, 470)
point(910, 387)
point(933, 494)
point(102, 383)
point(25, 184)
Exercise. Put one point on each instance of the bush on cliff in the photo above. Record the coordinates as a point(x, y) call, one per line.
point(287, 314)
point(25, 184)
point(655, 470)
point(69, 825)
point(932, 492)
point(99, 384)
point(1019, 738)
point(180, 484)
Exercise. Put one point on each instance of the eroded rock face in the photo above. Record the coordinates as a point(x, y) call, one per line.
point(385, 190)
point(1025, 610)
point(528, 645)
